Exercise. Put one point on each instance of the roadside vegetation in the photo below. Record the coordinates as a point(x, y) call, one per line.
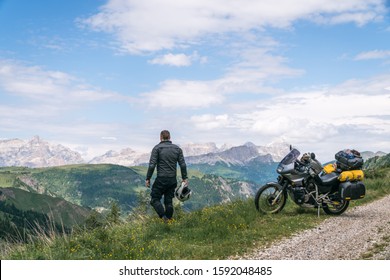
point(217, 232)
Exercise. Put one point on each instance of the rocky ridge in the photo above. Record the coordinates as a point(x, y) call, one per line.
point(40, 153)
point(36, 153)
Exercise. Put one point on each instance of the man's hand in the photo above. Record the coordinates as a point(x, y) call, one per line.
point(147, 183)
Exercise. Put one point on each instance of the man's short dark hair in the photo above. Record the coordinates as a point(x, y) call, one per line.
point(165, 135)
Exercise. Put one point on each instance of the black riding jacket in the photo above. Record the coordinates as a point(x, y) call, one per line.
point(166, 156)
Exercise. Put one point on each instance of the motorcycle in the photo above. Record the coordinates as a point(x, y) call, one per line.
point(308, 186)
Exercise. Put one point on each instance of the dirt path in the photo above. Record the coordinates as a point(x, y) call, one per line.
point(362, 232)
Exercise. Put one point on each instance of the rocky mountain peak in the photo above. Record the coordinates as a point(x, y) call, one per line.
point(239, 155)
point(36, 153)
point(36, 139)
point(195, 149)
point(124, 157)
point(250, 145)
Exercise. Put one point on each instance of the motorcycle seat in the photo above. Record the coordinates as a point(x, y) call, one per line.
point(328, 179)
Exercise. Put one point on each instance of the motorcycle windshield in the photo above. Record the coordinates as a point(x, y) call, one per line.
point(290, 157)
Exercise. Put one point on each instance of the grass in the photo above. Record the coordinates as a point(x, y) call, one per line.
point(211, 233)
point(217, 232)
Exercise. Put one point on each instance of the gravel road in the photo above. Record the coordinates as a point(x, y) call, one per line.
point(362, 232)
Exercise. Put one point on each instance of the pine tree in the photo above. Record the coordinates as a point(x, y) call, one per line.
point(114, 215)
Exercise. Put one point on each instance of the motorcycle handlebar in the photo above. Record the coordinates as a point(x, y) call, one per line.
point(300, 166)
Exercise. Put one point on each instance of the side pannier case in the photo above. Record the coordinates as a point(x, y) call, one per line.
point(352, 190)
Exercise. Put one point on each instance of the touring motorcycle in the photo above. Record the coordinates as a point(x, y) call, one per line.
point(305, 181)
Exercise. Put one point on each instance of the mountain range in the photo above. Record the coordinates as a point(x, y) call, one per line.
point(242, 155)
point(37, 152)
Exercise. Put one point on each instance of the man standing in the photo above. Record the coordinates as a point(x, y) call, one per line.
point(165, 156)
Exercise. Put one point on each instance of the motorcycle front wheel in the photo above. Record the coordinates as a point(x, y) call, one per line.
point(336, 207)
point(270, 199)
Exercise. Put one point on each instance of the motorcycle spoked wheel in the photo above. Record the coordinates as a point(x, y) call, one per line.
point(335, 208)
point(270, 199)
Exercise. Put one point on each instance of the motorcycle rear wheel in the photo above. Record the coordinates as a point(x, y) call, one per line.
point(270, 199)
point(336, 208)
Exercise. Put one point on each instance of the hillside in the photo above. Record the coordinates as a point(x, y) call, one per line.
point(98, 185)
point(256, 170)
point(61, 196)
point(377, 162)
point(94, 186)
point(217, 232)
point(23, 213)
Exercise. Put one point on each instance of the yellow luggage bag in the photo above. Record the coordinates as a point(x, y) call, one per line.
point(329, 168)
point(352, 175)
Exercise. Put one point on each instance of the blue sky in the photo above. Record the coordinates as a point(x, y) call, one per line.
point(102, 75)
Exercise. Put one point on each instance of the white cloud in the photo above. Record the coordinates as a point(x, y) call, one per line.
point(178, 60)
point(375, 54)
point(256, 68)
point(349, 114)
point(173, 60)
point(49, 87)
point(31, 81)
point(40, 101)
point(109, 138)
point(322, 111)
point(210, 122)
point(360, 18)
point(144, 26)
point(184, 94)
point(373, 86)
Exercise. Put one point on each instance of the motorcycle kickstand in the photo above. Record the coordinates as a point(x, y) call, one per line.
point(317, 201)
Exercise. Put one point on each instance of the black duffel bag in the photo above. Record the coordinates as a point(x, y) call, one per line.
point(349, 160)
